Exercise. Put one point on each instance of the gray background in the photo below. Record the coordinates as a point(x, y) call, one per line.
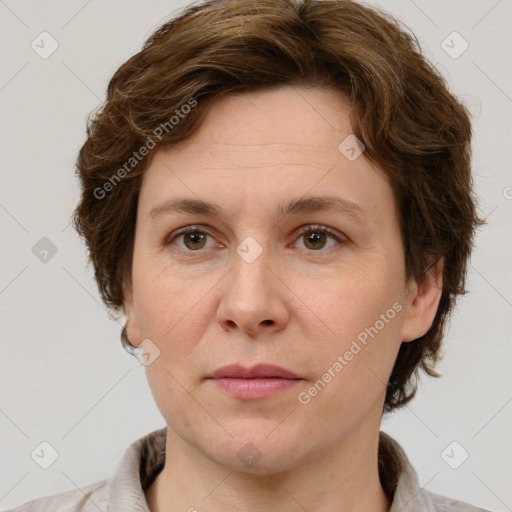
point(64, 377)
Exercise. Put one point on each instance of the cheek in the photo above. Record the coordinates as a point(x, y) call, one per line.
point(360, 310)
point(172, 314)
point(168, 385)
point(353, 370)
point(165, 296)
point(352, 298)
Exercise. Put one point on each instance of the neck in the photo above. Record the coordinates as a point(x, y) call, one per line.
point(346, 478)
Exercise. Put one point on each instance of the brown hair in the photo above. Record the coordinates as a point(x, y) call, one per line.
point(413, 129)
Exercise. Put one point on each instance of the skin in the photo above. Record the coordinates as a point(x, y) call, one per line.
point(299, 305)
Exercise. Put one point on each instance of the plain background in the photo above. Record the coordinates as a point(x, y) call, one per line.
point(64, 377)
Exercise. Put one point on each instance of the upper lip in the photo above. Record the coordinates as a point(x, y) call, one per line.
point(261, 371)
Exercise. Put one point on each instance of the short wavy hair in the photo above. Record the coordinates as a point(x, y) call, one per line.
point(413, 128)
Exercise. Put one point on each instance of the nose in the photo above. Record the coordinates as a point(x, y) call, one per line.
point(253, 299)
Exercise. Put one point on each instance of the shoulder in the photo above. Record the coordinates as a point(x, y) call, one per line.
point(92, 498)
point(140, 463)
point(401, 480)
point(444, 504)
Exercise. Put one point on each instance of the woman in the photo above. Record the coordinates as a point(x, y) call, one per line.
point(277, 195)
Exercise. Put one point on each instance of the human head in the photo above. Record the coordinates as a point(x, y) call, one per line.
point(413, 129)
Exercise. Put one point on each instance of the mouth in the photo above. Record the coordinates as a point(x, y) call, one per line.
point(260, 381)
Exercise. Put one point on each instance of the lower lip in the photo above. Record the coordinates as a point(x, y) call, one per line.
point(255, 388)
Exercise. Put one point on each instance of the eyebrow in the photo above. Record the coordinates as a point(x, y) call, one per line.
point(294, 206)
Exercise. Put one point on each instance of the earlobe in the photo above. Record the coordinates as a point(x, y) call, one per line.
point(422, 303)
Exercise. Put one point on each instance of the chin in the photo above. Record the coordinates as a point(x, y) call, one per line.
point(251, 460)
point(257, 449)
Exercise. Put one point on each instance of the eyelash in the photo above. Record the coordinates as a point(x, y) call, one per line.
point(316, 228)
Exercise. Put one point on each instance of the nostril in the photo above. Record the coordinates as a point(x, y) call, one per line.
point(268, 322)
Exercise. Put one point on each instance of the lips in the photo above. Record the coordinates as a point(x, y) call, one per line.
point(262, 381)
point(260, 371)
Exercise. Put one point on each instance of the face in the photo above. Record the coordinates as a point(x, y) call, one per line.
point(260, 241)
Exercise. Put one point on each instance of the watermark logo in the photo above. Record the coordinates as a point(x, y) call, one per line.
point(454, 455)
point(143, 151)
point(249, 249)
point(304, 397)
point(44, 455)
point(454, 45)
point(351, 147)
point(147, 352)
point(44, 250)
point(249, 455)
point(44, 45)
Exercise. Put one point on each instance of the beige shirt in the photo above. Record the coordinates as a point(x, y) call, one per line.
point(145, 458)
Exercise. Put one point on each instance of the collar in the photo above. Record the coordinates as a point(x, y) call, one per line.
point(145, 458)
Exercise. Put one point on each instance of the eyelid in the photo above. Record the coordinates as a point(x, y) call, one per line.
point(187, 229)
point(320, 227)
point(340, 238)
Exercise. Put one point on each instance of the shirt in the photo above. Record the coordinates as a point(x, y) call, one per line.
point(145, 458)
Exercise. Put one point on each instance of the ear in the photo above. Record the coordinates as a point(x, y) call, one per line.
point(129, 310)
point(422, 303)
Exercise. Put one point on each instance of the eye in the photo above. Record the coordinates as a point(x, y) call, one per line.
point(192, 238)
point(316, 237)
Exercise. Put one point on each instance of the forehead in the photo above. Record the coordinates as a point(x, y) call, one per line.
point(265, 117)
point(266, 146)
